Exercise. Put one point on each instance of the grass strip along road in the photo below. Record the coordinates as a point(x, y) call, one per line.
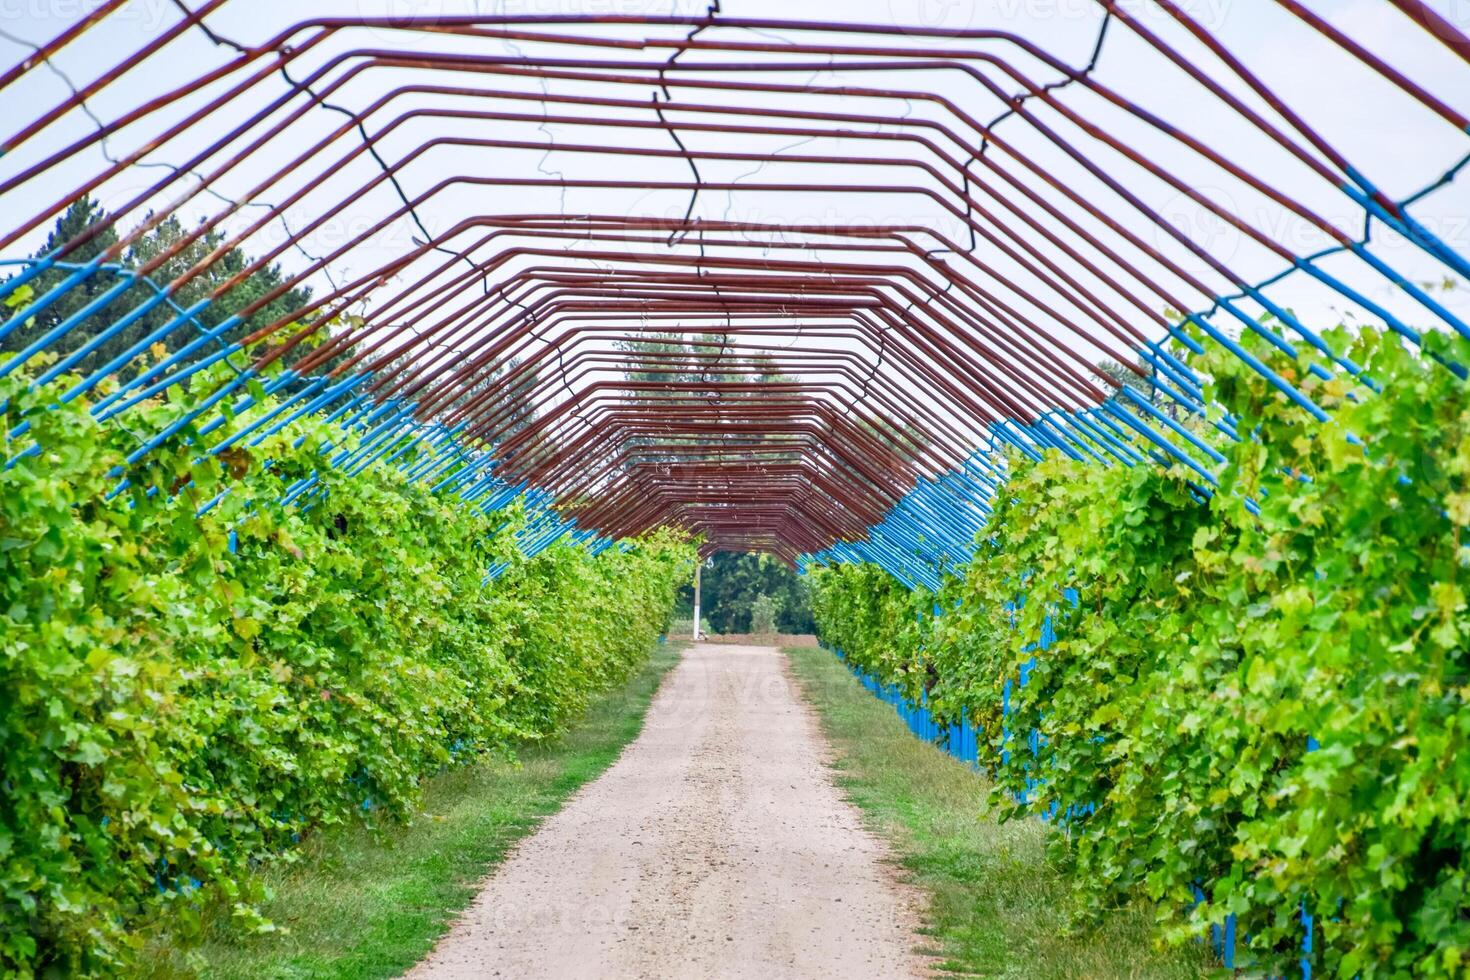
point(366, 902)
point(996, 907)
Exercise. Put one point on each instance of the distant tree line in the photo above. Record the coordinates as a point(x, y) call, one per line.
point(734, 584)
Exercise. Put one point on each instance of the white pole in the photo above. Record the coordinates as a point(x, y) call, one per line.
point(696, 599)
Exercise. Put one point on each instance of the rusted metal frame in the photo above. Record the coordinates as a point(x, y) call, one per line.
point(1148, 310)
point(228, 138)
point(754, 541)
point(942, 341)
point(239, 159)
point(1085, 80)
point(784, 520)
point(891, 399)
point(775, 490)
point(1118, 188)
point(1052, 266)
point(1002, 96)
point(775, 487)
point(777, 493)
point(11, 183)
point(630, 407)
point(510, 300)
point(960, 215)
point(739, 462)
point(586, 363)
point(638, 485)
point(1168, 297)
point(1057, 370)
point(982, 80)
point(293, 281)
point(941, 268)
point(845, 362)
point(1026, 337)
point(801, 522)
point(784, 158)
point(44, 52)
point(949, 328)
point(868, 330)
point(636, 520)
point(962, 398)
point(1138, 205)
point(80, 96)
point(1233, 101)
point(623, 430)
point(827, 268)
point(503, 348)
point(581, 362)
point(727, 454)
point(1091, 209)
point(1432, 21)
point(324, 27)
point(323, 262)
point(361, 118)
point(1029, 337)
point(1023, 380)
point(198, 231)
point(1322, 26)
point(641, 504)
point(1239, 282)
point(687, 482)
point(1045, 96)
point(1165, 295)
point(1023, 336)
point(790, 525)
point(1044, 93)
point(1370, 197)
point(623, 411)
point(835, 481)
point(321, 71)
point(388, 312)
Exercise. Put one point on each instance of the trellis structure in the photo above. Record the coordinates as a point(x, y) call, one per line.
point(988, 236)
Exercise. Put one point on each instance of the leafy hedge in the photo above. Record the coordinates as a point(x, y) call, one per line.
point(1264, 709)
point(172, 713)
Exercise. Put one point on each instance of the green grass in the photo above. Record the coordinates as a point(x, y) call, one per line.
point(995, 907)
point(362, 903)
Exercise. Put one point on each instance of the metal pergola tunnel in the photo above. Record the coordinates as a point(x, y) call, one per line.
point(791, 285)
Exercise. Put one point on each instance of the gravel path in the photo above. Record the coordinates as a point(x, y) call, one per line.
point(716, 846)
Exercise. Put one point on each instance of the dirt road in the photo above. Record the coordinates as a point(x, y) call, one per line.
point(716, 846)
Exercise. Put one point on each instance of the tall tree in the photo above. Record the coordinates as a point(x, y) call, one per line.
point(149, 246)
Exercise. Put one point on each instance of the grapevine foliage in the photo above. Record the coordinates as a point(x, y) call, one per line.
point(1262, 696)
point(173, 713)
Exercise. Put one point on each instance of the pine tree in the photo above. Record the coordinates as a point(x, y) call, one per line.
point(167, 234)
